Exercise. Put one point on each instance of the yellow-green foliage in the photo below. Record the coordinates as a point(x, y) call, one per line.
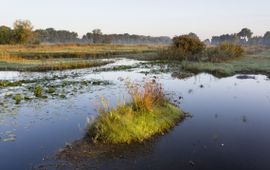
point(148, 114)
point(224, 51)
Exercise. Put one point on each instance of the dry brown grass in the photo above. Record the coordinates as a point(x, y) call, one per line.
point(75, 48)
point(6, 57)
point(148, 97)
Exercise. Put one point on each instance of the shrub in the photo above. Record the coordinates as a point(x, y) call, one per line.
point(189, 44)
point(185, 47)
point(224, 51)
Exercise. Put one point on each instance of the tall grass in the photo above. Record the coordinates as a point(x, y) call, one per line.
point(74, 50)
point(148, 114)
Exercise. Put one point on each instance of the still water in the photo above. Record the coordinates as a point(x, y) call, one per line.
point(229, 127)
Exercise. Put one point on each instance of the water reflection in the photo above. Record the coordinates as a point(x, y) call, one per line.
point(228, 128)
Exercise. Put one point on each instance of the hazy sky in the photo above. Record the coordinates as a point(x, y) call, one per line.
point(148, 17)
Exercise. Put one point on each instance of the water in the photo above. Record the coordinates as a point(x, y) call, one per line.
point(228, 130)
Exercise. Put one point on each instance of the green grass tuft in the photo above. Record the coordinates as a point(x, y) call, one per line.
point(147, 115)
point(18, 98)
point(38, 91)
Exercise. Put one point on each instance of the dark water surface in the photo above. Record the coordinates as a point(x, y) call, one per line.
point(229, 128)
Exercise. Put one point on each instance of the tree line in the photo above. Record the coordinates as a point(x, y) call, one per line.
point(244, 37)
point(23, 32)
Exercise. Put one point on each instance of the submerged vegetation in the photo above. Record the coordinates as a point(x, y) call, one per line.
point(148, 114)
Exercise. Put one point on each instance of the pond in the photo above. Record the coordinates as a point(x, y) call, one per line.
point(228, 128)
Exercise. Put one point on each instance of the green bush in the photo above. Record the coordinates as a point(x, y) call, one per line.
point(222, 52)
point(188, 44)
point(185, 47)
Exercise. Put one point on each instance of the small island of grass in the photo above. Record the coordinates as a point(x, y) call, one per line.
point(148, 114)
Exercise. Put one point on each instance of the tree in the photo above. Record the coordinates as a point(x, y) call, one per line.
point(193, 35)
point(266, 38)
point(97, 36)
point(188, 44)
point(207, 42)
point(23, 31)
point(6, 34)
point(245, 33)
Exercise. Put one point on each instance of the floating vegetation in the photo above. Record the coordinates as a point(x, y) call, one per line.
point(10, 84)
point(51, 90)
point(38, 91)
point(18, 98)
point(116, 68)
point(182, 75)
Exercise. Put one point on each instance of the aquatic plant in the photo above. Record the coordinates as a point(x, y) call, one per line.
point(9, 83)
point(18, 98)
point(148, 114)
point(38, 91)
point(51, 90)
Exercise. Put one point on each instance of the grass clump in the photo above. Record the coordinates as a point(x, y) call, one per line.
point(18, 98)
point(148, 114)
point(38, 91)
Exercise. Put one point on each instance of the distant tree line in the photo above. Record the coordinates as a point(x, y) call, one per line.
point(50, 35)
point(23, 32)
point(96, 36)
point(244, 37)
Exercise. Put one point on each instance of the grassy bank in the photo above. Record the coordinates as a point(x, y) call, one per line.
point(148, 114)
point(250, 63)
point(73, 50)
point(49, 65)
point(61, 57)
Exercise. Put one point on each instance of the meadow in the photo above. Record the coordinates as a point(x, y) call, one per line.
point(61, 57)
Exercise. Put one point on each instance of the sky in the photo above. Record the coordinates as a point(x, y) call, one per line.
point(144, 17)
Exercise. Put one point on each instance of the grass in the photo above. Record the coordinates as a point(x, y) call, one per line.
point(49, 65)
point(148, 114)
point(61, 57)
point(253, 63)
point(73, 50)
